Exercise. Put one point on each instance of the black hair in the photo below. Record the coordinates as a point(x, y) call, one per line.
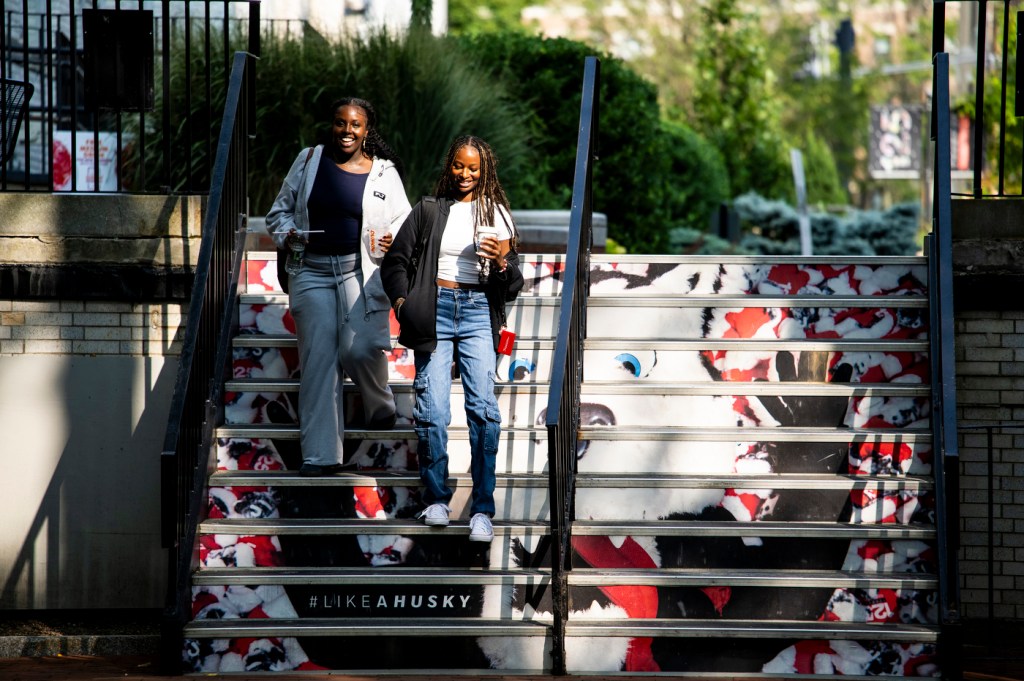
point(374, 145)
point(489, 191)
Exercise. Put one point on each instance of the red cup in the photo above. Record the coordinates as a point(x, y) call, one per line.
point(505, 342)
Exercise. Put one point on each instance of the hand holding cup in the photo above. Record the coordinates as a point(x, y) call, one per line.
point(377, 240)
point(488, 245)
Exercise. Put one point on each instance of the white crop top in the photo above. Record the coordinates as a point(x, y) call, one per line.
point(457, 260)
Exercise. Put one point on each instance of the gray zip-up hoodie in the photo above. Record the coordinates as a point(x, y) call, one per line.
point(384, 203)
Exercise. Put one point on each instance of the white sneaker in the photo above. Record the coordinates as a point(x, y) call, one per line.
point(480, 528)
point(435, 514)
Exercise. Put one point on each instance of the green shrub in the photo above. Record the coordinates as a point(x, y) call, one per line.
point(696, 180)
point(689, 241)
point(424, 98)
point(773, 228)
point(546, 75)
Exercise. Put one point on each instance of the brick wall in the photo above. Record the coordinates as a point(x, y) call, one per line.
point(990, 389)
point(76, 327)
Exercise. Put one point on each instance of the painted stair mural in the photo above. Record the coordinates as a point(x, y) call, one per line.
point(754, 489)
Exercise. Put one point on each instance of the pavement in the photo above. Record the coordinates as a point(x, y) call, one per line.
point(980, 666)
point(123, 645)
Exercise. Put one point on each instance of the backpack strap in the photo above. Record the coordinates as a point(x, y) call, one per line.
point(429, 204)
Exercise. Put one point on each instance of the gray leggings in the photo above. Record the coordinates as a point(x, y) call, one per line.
point(337, 336)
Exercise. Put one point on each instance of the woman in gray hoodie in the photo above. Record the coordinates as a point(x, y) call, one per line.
point(337, 213)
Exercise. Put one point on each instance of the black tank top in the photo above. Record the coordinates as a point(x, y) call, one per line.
point(335, 206)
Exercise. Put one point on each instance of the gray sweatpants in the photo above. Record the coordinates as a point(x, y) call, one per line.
point(336, 336)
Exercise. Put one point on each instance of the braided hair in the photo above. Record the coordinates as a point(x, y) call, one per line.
point(374, 145)
point(489, 192)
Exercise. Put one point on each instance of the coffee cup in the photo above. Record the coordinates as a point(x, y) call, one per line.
point(372, 236)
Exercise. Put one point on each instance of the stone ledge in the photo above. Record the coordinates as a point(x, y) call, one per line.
point(100, 215)
point(39, 229)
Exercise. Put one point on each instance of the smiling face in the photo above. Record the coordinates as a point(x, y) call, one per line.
point(465, 172)
point(349, 129)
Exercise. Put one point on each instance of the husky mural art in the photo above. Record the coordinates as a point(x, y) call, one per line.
point(633, 361)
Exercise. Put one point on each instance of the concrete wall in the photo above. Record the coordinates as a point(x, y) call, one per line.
point(86, 376)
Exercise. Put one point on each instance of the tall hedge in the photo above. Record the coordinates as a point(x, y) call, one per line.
point(696, 181)
point(546, 75)
point(424, 97)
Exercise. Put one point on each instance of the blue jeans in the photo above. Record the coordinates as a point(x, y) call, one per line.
point(463, 321)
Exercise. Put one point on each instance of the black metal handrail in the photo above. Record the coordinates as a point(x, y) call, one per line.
point(563, 410)
point(979, 132)
point(196, 406)
point(945, 450)
point(46, 48)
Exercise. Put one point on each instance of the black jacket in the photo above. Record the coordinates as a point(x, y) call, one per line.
point(418, 314)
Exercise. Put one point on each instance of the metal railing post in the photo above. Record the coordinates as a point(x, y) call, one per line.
point(563, 408)
point(204, 359)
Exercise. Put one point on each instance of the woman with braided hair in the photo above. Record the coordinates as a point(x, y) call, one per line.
point(450, 273)
point(337, 212)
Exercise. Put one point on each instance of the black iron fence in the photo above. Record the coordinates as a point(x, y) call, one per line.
point(993, 54)
point(127, 93)
point(563, 410)
point(196, 405)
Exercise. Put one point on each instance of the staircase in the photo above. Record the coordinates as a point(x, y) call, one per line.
point(754, 489)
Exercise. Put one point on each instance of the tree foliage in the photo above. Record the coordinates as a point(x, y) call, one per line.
point(631, 174)
point(471, 16)
point(733, 103)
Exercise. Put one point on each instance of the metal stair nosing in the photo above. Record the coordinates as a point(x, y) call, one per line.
point(265, 340)
point(760, 344)
point(265, 431)
point(253, 385)
point(682, 628)
point(281, 298)
point(703, 577)
point(714, 260)
point(592, 388)
point(755, 434)
point(761, 528)
point(755, 300)
point(291, 478)
point(363, 627)
point(668, 344)
point(788, 481)
point(350, 526)
point(387, 576)
point(709, 260)
point(394, 478)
